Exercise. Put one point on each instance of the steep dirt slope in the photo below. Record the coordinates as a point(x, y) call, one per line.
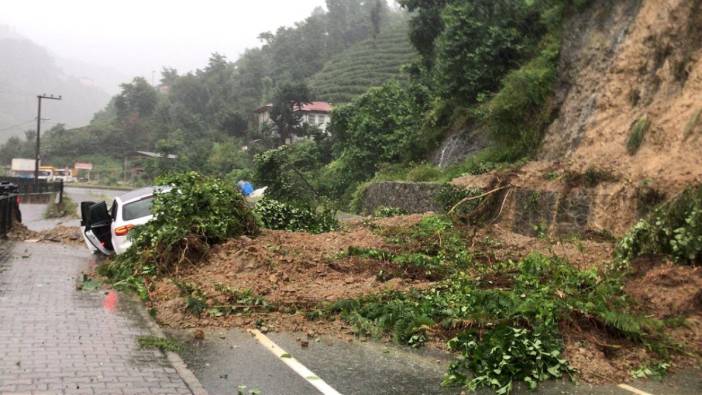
point(624, 61)
point(625, 65)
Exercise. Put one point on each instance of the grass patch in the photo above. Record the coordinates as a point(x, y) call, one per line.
point(160, 343)
point(67, 208)
point(387, 212)
point(485, 161)
point(637, 135)
point(432, 250)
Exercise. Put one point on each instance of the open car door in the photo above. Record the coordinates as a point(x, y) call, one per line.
point(96, 222)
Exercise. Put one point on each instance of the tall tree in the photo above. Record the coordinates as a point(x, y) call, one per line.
point(138, 98)
point(425, 26)
point(286, 112)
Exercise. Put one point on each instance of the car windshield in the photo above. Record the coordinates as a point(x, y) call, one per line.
point(140, 208)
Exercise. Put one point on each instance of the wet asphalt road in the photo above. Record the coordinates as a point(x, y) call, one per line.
point(227, 359)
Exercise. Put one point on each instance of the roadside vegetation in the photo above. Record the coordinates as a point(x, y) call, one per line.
point(67, 208)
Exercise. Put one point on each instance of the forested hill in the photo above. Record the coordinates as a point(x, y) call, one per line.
point(366, 64)
point(206, 116)
point(26, 70)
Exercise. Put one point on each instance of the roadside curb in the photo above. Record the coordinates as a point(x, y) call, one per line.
point(175, 360)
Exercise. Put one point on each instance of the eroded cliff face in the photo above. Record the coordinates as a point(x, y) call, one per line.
point(623, 62)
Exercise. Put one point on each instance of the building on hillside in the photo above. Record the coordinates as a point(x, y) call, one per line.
point(316, 113)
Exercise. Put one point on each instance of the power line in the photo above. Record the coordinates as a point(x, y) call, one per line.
point(44, 120)
point(15, 126)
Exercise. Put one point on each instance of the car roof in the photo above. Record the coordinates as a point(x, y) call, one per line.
point(142, 193)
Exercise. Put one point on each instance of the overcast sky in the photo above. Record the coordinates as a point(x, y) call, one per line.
point(135, 37)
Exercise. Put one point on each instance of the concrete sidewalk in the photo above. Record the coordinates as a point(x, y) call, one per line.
point(56, 339)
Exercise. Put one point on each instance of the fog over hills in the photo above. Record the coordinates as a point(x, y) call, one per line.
point(28, 69)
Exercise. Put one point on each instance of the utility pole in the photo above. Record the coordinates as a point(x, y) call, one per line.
point(36, 151)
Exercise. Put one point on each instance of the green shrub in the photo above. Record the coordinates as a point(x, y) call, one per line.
point(518, 114)
point(282, 216)
point(386, 212)
point(67, 208)
point(485, 161)
point(198, 213)
point(423, 172)
point(637, 135)
point(286, 172)
point(673, 229)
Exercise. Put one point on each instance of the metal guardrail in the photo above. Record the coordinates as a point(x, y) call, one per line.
point(27, 187)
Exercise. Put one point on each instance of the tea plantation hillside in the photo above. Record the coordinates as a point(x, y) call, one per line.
point(366, 64)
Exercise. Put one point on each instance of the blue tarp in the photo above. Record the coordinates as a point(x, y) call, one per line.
point(245, 187)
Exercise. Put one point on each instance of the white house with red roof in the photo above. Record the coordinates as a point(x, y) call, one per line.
point(316, 113)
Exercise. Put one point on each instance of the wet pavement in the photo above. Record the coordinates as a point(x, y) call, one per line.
point(56, 339)
point(227, 359)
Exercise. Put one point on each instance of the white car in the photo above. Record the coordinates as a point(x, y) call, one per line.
point(106, 231)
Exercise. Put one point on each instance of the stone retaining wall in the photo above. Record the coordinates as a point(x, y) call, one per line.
point(413, 197)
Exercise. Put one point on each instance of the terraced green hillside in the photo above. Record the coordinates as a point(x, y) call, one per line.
point(366, 64)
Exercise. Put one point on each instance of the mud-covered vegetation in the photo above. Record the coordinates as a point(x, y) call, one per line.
point(504, 319)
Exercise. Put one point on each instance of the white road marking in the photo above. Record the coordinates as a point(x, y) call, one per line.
point(633, 390)
point(294, 364)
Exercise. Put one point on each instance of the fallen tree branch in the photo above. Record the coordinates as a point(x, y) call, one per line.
point(502, 206)
point(471, 198)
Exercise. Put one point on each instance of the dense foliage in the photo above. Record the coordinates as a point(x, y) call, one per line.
point(282, 216)
point(200, 114)
point(288, 172)
point(196, 214)
point(379, 127)
point(673, 229)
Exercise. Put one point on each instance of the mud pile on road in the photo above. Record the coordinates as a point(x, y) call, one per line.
point(283, 280)
point(59, 234)
point(292, 271)
point(297, 272)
